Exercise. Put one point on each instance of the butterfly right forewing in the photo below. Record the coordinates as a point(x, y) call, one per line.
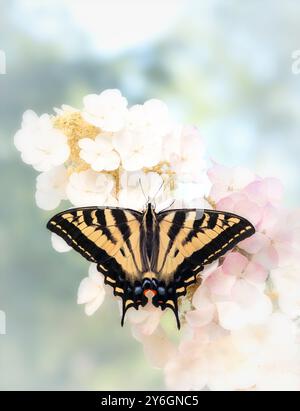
point(189, 239)
point(198, 236)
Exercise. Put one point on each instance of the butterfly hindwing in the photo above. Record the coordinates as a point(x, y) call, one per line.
point(108, 236)
point(191, 239)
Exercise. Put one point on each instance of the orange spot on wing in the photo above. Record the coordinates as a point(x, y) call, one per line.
point(153, 291)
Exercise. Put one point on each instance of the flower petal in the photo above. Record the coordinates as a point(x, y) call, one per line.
point(158, 348)
point(88, 291)
point(92, 306)
point(200, 318)
point(59, 244)
point(234, 264)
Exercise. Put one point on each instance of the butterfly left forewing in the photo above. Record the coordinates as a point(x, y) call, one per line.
point(109, 237)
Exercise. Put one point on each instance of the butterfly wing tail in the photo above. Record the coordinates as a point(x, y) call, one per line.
point(175, 311)
point(125, 308)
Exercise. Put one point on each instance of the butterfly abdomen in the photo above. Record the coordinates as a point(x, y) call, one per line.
point(149, 236)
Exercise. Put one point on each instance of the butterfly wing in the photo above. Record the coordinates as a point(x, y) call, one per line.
point(109, 237)
point(190, 239)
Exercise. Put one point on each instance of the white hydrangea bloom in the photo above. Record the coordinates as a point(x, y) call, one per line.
point(89, 188)
point(64, 109)
point(137, 151)
point(59, 244)
point(140, 142)
point(273, 348)
point(152, 119)
point(205, 312)
point(185, 150)
point(287, 284)
point(247, 305)
point(107, 110)
point(99, 153)
point(158, 348)
point(253, 358)
point(91, 291)
point(40, 144)
point(51, 188)
point(145, 320)
point(226, 180)
point(191, 194)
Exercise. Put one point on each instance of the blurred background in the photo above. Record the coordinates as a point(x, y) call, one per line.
point(225, 66)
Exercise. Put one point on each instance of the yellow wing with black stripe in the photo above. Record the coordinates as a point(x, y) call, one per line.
point(141, 252)
point(109, 237)
point(191, 239)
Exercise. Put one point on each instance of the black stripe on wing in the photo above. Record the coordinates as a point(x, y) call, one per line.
point(89, 230)
point(196, 238)
point(74, 238)
point(99, 234)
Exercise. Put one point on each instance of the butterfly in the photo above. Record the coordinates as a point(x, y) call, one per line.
point(150, 253)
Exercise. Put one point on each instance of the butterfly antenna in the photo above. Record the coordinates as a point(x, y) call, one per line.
point(169, 206)
point(140, 183)
point(160, 187)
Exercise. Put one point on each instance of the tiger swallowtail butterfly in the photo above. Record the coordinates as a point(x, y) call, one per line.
point(138, 252)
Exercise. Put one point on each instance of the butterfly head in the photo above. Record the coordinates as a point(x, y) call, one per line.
point(150, 201)
point(149, 206)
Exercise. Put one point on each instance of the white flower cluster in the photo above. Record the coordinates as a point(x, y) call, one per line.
point(240, 326)
point(137, 143)
point(262, 357)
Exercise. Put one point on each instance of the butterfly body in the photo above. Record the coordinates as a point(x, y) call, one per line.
point(149, 254)
point(149, 236)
